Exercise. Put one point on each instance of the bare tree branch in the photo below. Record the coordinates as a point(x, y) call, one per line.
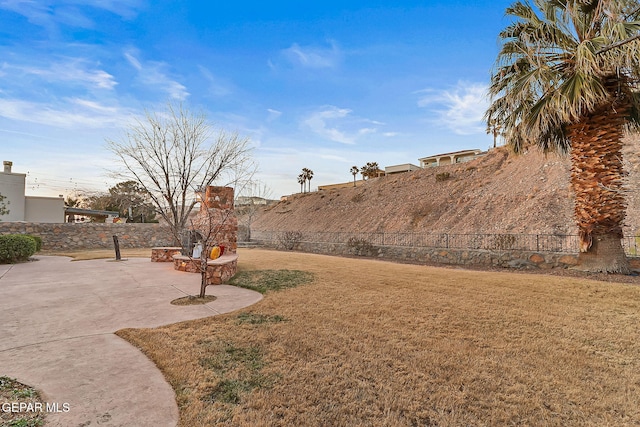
point(175, 153)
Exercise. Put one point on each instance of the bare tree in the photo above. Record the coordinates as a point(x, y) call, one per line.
point(256, 198)
point(212, 226)
point(175, 154)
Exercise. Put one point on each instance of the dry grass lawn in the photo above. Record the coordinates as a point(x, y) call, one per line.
point(371, 343)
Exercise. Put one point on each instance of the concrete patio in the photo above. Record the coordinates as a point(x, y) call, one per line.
point(58, 321)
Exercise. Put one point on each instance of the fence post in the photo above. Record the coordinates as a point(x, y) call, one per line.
point(117, 246)
point(537, 243)
point(446, 240)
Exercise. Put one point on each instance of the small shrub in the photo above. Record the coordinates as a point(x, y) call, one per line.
point(16, 247)
point(418, 213)
point(503, 242)
point(38, 241)
point(361, 247)
point(289, 239)
point(442, 176)
point(358, 198)
point(476, 241)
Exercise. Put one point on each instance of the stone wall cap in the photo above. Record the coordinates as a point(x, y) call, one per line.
point(224, 259)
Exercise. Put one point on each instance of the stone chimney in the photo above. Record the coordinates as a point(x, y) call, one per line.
point(7, 166)
point(217, 218)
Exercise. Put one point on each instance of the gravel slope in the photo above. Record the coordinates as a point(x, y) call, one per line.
point(498, 193)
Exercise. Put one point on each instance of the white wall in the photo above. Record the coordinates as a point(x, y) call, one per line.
point(44, 209)
point(12, 187)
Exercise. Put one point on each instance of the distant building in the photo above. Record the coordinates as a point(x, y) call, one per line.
point(406, 167)
point(425, 162)
point(379, 173)
point(450, 158)
point(27, 208)
point(341, 185)
point(253, 200)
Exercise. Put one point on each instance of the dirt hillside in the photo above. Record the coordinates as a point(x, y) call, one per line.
point(497, 193)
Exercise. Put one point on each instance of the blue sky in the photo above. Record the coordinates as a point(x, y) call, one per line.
point(323, 85)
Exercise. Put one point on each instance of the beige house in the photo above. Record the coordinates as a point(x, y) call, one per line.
point(425, 162)
point(27, 208)
point(341, 185)
point(450, 158)
point(405, 167)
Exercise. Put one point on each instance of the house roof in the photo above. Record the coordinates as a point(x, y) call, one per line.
point(89, 212)
point(453, 153)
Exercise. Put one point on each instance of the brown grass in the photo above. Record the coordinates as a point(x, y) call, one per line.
point(373, 343)
point(14, 392)
point(193, 300)
point(88, 254)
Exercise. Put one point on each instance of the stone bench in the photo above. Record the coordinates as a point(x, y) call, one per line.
point(219, 270)
point(165, 253)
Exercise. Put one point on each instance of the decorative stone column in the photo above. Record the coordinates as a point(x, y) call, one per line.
point(217, 218)
point(217, 222)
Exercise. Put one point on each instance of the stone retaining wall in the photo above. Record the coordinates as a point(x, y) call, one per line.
point(164, 253)
point(420, 255)
point(219, 271)
point(68, 236)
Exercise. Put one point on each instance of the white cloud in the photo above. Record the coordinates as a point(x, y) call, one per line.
point(74, 13)
point(77, 114)
point(312, 56)
point(317, 122)
point(76, 71)
point(459, 109)
point(127, 9)
point(84, 103)
point(338, 124)
point(217, 86)
point(133, 60)
point(365, 131)
point(273, 114)
point(152, 73)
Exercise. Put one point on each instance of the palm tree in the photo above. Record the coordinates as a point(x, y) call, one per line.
point(308, 174)
point(370, 170)
point(566, 79)
point(354, 172)
point(301, 181)
point(493, 128)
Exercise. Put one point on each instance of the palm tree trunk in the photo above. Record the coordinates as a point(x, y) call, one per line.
point(597, 181)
